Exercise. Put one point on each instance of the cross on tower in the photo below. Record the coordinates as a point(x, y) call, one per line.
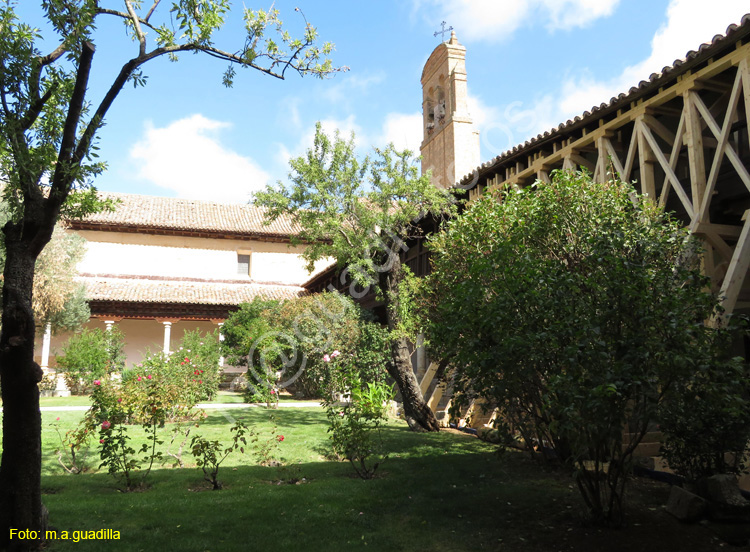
point(443, 31)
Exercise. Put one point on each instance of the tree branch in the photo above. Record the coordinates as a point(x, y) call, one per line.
point(66, 163)
point(107, 11)
point(53, 56)
point(36, 107)
point(137, 27)
point(151, 11)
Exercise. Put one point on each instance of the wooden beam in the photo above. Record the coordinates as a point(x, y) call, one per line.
point(730, 288)
point(667, 167)
point(429, 375)
point(694, 141)
point(582, 161)
point(716, 241)
point(646, 163)
point(722, 135)
point(614, 159)
point(744, 69)
point(724, 230)
point(437, 395)
point(659, 128)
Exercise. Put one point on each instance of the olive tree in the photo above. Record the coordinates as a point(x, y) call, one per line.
point(574, 307)
point(48, 131)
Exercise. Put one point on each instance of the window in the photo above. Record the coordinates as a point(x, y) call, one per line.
point(243, 264)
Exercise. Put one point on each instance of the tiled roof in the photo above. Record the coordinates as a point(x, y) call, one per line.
point(184, 292)
point(167, 213)
point(655, 80)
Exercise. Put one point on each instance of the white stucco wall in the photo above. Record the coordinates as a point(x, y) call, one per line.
point(175, 256)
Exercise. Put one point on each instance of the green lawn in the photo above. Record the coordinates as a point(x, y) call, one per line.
point(436, 492)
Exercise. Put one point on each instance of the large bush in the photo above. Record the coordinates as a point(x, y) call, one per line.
point(284, 345)
point(91, 355)
point(575, 307)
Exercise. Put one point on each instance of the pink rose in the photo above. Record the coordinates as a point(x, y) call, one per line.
point(58, 418)
point(273, 392)
point(106, 424)
point(148, 377)
point(97, 382)
point(119, 400)
point(334, 354)
point(139, 378)
point(101, 441)
point(326, 358)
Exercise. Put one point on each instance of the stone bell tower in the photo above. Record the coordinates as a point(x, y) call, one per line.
point(450, 148)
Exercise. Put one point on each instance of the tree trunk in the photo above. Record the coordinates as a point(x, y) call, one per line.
point(20, 470)
point(416, 411)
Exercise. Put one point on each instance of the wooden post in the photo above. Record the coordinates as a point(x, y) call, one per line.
point(646, 162)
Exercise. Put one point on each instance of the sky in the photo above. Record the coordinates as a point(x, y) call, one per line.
point(531, 65)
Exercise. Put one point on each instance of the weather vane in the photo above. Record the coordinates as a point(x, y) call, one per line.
point(443, 31)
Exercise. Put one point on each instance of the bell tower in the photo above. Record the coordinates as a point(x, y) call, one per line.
point(450, 147)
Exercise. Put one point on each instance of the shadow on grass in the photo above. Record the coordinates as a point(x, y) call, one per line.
point(439, 499)
point(254, 415)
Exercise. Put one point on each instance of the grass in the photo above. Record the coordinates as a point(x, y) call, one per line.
point(436, 492)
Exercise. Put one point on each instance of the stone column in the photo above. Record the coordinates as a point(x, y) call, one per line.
point(45, 347)
point(167, 336)
point(167, 322)
point(221, 338)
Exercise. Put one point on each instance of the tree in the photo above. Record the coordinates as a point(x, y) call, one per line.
point(361, 213)
point(91, 355)
point(48, 157)
point(575, 308)
point(58, 299)
point(288, 344)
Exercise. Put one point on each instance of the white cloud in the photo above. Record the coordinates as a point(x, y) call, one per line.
point(495, 21)
point(689, 24)
point(404, 130)
point(307, 138)
point(187, 157)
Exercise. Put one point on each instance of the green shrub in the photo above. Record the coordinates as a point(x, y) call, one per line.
point(354, 423)
point(110, 412)
point(188, 375)
point(91, 355)
point(576, 308)
point(284, 345)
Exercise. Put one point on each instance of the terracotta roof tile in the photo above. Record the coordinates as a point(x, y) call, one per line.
point(183, 292)
point(169, 213)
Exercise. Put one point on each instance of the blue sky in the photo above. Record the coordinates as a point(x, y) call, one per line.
point(531, 64)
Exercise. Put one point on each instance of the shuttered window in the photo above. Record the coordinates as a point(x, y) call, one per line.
point(243, 264)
